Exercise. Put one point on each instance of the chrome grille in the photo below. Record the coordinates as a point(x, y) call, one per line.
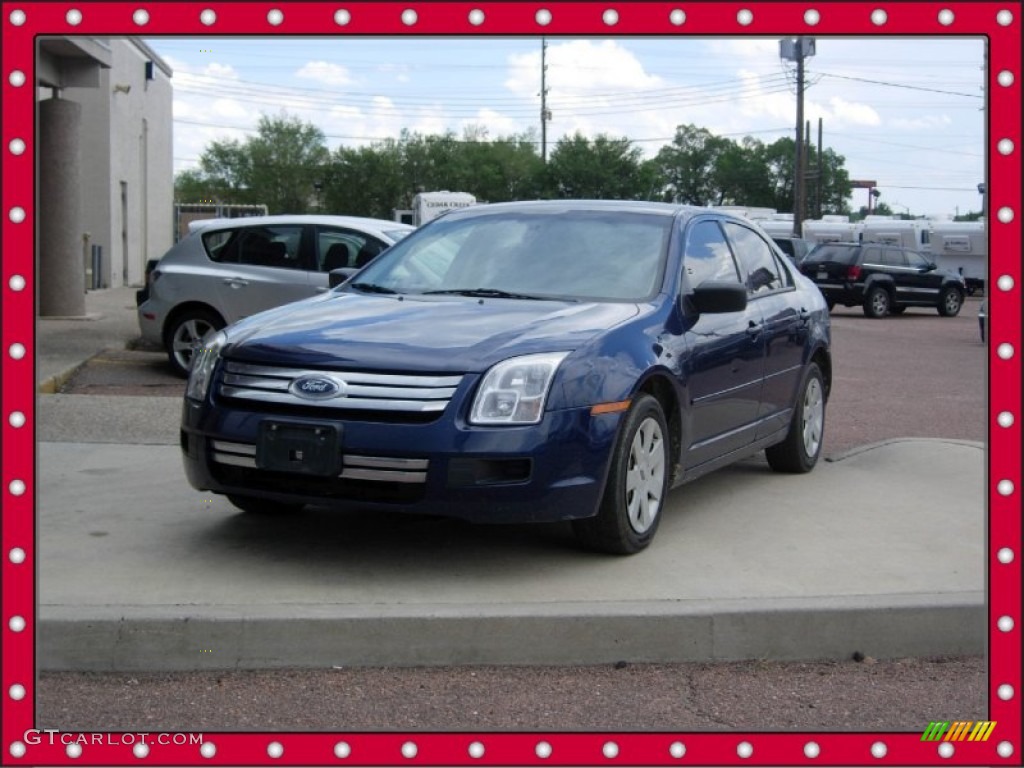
point(375, 468)
point(363, 391)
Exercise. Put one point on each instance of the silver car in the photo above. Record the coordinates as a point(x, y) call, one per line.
point(228, 269)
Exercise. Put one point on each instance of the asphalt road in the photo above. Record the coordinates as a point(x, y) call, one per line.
point(917, 375)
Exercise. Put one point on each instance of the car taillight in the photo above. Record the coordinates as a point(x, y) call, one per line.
point(853, 272)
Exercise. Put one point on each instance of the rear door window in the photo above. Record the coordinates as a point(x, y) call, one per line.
point(276, 246)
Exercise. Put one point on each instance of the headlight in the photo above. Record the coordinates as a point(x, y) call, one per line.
point(514, 391)
point(204, 359)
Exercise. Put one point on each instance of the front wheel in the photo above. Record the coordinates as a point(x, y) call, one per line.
point(799, 452)
point(950, 301)
point(637, 484)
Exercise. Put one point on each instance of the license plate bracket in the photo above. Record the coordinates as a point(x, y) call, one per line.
point(308, 449)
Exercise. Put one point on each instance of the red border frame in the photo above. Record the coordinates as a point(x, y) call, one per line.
point(518, 18)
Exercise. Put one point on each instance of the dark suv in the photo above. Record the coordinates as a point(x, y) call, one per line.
point(884, 279)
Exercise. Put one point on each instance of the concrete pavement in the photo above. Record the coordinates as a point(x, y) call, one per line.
point(880, 552)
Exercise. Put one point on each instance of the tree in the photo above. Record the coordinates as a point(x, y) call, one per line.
point(688, 165)
point(605, 168)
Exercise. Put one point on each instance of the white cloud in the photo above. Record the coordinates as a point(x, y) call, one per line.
point(923, 123)
point(325, 72)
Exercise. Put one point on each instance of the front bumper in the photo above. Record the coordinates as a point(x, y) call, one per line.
point(551, 471)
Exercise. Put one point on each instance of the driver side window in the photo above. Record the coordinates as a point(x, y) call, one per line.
point(707, 255)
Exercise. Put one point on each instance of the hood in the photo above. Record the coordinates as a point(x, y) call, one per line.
point(435, 334)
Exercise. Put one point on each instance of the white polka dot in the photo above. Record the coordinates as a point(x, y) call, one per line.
point(1005, 283)
point(543, 17)
point(878, 18)
point(1005, 555)
point(17, 147)
point(16, 283)
point(1005, 215)
point(677, 17)
point(543, 750)
point(17, 749)
point(1004, 18)
point(16, 419)
point(275, 749)
point(16, 624)
point(811, 749)
point(16, 692)
point(677, 750)
point(73, 17)
point(74, 751)
point(1005, 624)
point(17, 214)
point(476, 17)
point(745, 749)
point(946, 17)
point(17, 17)
point(1005, 487)
point(610, 17)
point(1005, 78)
point(811, 17)
point(342, 750)
point(1005, 749)
point(476, 750)
point(342, 17)
point(409, 17)
point(610, 750)
point(1005, 692)
point(1005, 146)
point(745, 17)
point(140, 750)
point(141, 17)
point(1005, 351)
point(208, 17)
point(16, 555)
point(275, 16)
point(946, 749)
point(17, 351)
point(17, 487)
point(879, 750)
point(16, 78)
point(208, 750)
point(409, 750)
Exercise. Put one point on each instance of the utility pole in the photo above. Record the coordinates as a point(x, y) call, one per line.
point(545, 115)
point(797, 50)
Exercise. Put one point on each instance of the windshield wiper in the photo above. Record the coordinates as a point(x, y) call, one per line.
point(372, 288)
point(492, 293)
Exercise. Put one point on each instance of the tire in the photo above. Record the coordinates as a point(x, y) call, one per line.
point(877, 302)
point(634, 495)
point(184, 331)
point(257, 506)
point(799, 452)
point(950, 302)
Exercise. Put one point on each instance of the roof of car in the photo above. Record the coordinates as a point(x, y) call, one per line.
point(637, 206)
point(307, 218)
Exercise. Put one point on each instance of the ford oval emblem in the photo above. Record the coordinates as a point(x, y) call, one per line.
point(317, 387)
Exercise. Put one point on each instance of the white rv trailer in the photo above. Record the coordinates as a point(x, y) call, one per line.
point(961, 246)
point(427, 206)
point(908, 233)
point(831, 229)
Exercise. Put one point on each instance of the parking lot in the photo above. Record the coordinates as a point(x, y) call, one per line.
point(917, 376)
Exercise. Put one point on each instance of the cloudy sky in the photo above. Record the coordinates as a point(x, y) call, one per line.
point(905, 112)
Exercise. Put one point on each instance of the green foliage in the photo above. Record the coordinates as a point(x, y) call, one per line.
point(288, 167)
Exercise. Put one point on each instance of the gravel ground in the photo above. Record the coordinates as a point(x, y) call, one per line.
point(917, 375)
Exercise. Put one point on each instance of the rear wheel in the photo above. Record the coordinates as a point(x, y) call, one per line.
point(877, 302)
point(257, 506)
point(950, 301)
point(184, 332)
point(637, 484)
point(800, 450)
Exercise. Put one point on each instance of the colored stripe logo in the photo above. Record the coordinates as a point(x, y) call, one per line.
point(959, 730)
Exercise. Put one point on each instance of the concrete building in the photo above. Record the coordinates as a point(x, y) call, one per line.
point(105, 139)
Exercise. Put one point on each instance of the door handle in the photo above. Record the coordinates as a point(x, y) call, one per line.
point(754, 329)
point(235, 282)
point(805, 316)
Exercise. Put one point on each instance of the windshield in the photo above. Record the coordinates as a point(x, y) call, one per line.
point(573, 255)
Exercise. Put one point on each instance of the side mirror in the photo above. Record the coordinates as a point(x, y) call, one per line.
point(717, 298)
point(338, 276)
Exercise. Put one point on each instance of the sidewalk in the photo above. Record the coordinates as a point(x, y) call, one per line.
point(63, 344)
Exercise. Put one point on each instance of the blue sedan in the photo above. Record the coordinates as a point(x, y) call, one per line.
point(522, 362)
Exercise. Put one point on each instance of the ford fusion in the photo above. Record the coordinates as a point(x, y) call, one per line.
point(521, 362)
